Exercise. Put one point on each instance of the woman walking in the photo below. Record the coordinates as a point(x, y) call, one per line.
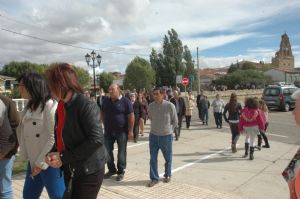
point(189, 106)
point(251, 123)
point(233, 108)
point(265, 115)
point(218, 107)
point(36, 138)
point(79, 141)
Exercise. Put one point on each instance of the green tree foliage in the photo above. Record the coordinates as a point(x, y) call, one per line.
point(83, 77)
point(244, 78)
point(168, 64)
point(139, 74)
point(106, 79)
point(15, 69)
point(189, 67)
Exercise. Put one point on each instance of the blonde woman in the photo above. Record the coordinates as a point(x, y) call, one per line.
point(189, 101)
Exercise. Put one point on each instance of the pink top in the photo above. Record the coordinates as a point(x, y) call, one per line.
point(251, 117)
point(265, 115)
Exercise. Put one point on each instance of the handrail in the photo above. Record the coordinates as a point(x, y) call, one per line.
point(20, 104)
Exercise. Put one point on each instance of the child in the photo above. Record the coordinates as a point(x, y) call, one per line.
point(265, 115)
point(251, 122)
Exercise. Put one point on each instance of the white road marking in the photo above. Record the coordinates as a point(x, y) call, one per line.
point(196, 161)
point(276, 135)
point(134, 145)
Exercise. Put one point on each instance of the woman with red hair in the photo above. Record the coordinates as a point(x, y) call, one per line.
point(79, 142)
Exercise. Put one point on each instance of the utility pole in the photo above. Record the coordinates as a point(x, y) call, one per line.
point(198, 72)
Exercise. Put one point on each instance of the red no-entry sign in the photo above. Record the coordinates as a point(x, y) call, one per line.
point(185, 81)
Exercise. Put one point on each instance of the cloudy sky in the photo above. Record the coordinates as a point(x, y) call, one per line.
point(224, 30)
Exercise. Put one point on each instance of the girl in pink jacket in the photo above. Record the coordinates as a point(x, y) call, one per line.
point(251, 122)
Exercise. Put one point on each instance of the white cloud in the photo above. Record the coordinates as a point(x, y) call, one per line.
point(132, 27)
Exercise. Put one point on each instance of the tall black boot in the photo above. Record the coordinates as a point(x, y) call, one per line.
point(267, 145)
point(251, 153)
point(259, 140)
point(246, 149)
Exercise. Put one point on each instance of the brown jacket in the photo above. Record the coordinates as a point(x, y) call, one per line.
point(14, 120)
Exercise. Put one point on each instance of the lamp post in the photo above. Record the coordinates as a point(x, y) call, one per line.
point(98, 58)
point(198, 71)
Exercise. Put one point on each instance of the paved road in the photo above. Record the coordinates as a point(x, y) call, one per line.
point(202, 161)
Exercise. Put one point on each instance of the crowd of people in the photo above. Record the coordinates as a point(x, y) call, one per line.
point(67, 137)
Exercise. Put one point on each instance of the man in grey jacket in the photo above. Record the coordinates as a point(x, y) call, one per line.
point(164, 119)
point(9, 120)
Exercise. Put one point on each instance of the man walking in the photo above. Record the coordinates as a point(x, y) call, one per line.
point(138, 114)
point(199, 105)
point(9, 120)
point(163, 118)
point(118, 118)
point(180, 109)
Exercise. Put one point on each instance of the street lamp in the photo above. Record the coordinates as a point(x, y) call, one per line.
point(198, 71)
point(88, 58)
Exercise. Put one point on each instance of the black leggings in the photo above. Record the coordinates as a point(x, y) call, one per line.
point(188, 120)
point(235, 132)
point(263, 135)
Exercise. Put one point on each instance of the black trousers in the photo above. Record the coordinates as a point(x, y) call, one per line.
point(136, 129)
point(200, 113)
point(235, 132)
point(263, 135)
point(188, 120)
point(218, 118)
point(87, 186)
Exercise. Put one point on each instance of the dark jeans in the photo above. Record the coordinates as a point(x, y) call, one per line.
point(218, 118)
point(178, 129)
point(136, 129)
point(200, 113)
point(188, 120)
point(87, 186)
point(204, 113)
point(235, 132)
point(109, 140)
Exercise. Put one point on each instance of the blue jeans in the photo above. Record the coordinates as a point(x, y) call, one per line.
point(50, 178)
point(109, 140)
point(164, 143)
point(6, 167)
point(204, 113)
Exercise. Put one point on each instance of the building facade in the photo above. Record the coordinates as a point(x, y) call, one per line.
point(284, 56)
point(288, 75)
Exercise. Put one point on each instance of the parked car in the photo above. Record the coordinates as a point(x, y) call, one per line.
point(277, 96)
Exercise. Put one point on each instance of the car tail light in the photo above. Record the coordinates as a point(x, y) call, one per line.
point(281, 97)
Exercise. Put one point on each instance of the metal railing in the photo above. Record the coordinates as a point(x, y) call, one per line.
point(20, 104)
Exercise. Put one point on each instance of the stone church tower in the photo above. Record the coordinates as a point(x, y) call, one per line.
point(284, 57)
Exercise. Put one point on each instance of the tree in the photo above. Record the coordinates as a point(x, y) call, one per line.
point(168, 64)
point(189, 66)
point(15, 69)
point(248, 65)
point(244, 78)
point(139, 74)
point(83, 77)
point(106, 79)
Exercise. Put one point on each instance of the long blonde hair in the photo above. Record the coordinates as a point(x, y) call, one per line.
point(263, 106)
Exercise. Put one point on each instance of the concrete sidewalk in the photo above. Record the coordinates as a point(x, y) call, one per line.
point(134, 186)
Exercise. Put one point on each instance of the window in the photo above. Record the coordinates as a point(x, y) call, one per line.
point(272, 92)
